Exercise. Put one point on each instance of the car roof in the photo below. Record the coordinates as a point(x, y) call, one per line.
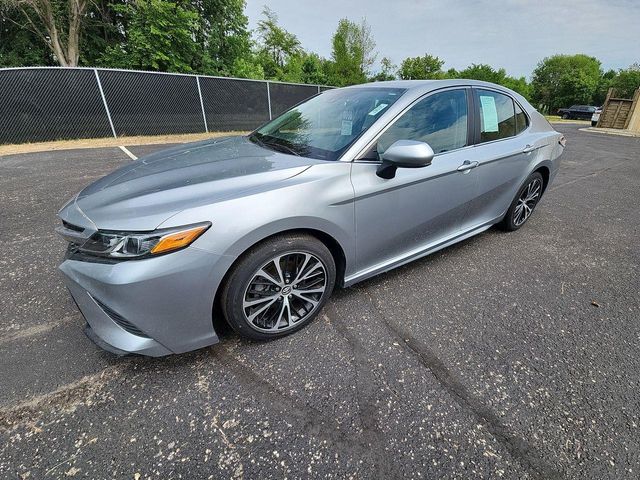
point(416, 88)
point(427, 84)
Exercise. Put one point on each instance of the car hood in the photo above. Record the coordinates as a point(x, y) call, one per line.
point(144, 193)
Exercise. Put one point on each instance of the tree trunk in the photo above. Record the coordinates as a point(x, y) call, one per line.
point(76, 12)
point(67, 53)
point(57, 47)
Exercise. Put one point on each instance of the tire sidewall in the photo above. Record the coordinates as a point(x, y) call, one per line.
point(508, 219)
point(249, 263)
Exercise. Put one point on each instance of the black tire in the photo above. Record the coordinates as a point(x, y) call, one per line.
point(593, 124)
point(566, 116)
point(512, 221)
point(292, 251)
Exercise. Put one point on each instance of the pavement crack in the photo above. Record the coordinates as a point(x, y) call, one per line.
point(367, 386)
point(582, 177)
point(517, 446)
point(314, 422)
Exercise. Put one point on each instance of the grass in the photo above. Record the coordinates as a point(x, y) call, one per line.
point(558, 119)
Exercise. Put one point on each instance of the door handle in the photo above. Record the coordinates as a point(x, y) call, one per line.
point(528, 148)
point(467, 165)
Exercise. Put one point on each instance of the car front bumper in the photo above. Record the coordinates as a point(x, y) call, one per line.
point(156, 306)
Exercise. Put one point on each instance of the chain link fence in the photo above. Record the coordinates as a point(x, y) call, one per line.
point(50, 103)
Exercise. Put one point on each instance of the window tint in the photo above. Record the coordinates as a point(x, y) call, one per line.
point(522, 122)
point(439, 120)
point(497, 116)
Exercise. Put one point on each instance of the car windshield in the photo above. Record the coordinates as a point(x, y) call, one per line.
point(326, 125)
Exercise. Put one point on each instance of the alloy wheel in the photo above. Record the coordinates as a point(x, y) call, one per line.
point(284, 291)
point(527, 202)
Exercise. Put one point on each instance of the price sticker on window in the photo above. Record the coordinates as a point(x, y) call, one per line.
point(347, 127)
point(489, 114)
point(378, 109)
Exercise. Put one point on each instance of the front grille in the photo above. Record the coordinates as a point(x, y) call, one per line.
point(121, 321)
point(73, 253)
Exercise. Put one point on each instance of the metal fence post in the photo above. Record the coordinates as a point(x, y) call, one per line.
point(318, 88)
point(269, 100)
point(204, 116)
point(104, 101)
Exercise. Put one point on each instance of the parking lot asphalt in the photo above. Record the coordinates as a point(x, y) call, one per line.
point(510, 355)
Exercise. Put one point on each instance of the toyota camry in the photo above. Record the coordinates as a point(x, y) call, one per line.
point(259, 229)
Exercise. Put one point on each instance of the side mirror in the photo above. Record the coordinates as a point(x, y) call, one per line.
point(404, 154)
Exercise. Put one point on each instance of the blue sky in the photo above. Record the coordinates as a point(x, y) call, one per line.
point(514, 34)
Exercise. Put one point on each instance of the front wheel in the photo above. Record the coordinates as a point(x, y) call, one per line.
point(593, 124)
point(524, 203)
point(278, 287)
point(565, 116)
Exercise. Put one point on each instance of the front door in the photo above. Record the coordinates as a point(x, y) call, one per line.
point(420, 207)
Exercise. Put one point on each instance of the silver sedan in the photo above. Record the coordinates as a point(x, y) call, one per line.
point(260, 229)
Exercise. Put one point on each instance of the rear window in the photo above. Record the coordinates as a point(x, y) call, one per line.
point(522, 121)
point(497, 116)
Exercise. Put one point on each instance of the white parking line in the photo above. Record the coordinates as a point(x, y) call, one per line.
point(129, 154)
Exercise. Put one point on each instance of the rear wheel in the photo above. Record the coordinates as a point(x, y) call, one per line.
point(278, 287)
point(524, 203)
point(565, 116)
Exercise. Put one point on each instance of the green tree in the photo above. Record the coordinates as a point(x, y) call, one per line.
point(421, 68)
point(353, 53)
point(487, 73)
point(247, 67)
point(58, 24)
point(519, 85)
point(312, 68)
point(603, 86)
point(18, 46)
point(387, 71)
point(483, 72)
point(276, 45)
point(102, 29)
point(159, 36)
point(221, 36)
point(562, 80)
point(627, 81)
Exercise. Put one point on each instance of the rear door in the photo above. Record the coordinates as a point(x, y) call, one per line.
point(503, 153)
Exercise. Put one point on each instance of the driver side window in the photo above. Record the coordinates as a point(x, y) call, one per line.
point(439, 120)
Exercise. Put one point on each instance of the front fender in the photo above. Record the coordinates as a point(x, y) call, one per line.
point(319, 199)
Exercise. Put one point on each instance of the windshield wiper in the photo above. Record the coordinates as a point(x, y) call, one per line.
point(283, 148)
point(273, 145)
point(254, 138)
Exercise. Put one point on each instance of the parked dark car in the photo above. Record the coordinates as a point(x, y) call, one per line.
point(577, 112)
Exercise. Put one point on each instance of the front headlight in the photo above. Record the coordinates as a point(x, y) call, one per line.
point(125, 245)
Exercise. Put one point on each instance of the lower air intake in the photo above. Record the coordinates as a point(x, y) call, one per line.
point(121, 321)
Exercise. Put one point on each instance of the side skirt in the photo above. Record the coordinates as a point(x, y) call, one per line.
point(415, 254)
